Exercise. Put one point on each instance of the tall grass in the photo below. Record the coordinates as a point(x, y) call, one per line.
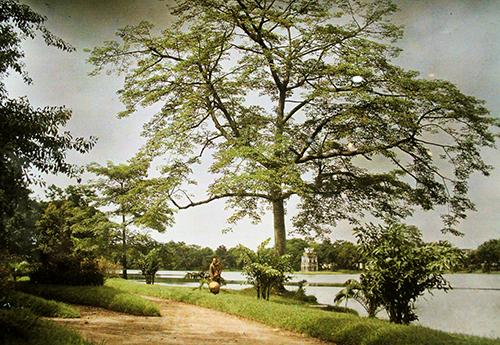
point(340, 328)
point(98, 296)
point(20, 326)
point(39, 306)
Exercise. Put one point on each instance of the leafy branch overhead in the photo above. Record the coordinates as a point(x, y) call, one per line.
point(32, 140)
point(299, 98)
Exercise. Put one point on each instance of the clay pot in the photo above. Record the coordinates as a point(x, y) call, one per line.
point(214, 287)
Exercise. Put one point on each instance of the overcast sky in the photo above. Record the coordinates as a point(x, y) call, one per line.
point(455, 40)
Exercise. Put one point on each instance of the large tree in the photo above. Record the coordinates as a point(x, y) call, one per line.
point(31, 139)
point(299, 98)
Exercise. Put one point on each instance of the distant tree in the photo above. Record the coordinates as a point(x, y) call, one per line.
point(221, 252)
point(202, 258)
point(31, 139)
point(182, 256)
point(239, 255)
point(138, 245)
point(487, 255)
point(295, 98)
point(400, 267)
point(149, 264)
point(326, 255)
point(295, 248)
point(338, 255)
point(132, 197)
point(346, 255)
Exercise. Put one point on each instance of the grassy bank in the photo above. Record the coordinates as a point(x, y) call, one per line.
point(98, 296)
point(39, 306)
point(20, 326)
point(340, 328)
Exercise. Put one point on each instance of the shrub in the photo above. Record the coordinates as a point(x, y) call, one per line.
point(108, 268)
point(19, 269)
point(69, 271)
point(150, 264)
point(400, 267)
point(265, 269)
point(360, 293)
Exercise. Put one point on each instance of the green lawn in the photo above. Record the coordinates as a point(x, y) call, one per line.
point(98, 296)
point(22, 327)
point(340, 328)
point(40, 306)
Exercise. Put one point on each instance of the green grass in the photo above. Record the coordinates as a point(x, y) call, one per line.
point(340, 328)
point(22, 327)
point(97, 296)
point(40, 306)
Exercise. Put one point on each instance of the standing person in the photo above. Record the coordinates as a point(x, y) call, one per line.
point(215, 270)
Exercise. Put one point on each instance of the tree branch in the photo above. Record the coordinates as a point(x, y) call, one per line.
point(217, 197)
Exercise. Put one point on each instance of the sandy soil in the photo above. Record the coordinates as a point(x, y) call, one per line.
point(180, 324)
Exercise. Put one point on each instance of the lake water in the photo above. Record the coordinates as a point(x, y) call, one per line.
point(472, 307)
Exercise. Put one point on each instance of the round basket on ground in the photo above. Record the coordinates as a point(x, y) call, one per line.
point(214, 287)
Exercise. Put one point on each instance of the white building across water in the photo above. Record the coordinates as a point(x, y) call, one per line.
point(309, 261)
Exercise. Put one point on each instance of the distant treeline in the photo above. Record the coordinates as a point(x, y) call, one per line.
point(337, 255)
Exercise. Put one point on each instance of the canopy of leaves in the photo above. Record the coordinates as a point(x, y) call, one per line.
point(70, 235)
point(130, 194)
point(70, 227)
point(400, 267)
point(487, 255)
point(30, 138)
point(299, 98)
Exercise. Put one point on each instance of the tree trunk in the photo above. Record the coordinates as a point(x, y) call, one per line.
point(279, 226)
point(124, 248)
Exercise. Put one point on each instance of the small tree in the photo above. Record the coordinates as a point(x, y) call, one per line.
point(266, 269)
point(150, 264)
point(134, 198)
point(400, 267)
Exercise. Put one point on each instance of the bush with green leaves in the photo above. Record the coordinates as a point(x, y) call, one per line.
point(400, 267)
point(69, 235)
point(355, 290)
point(149, 264)
point(266, 269)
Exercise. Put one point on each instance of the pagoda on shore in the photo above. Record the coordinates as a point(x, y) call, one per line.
point(309, 261)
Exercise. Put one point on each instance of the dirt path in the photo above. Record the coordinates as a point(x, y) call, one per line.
point(180, 324)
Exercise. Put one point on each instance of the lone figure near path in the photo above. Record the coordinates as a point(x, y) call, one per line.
point(215, 270)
